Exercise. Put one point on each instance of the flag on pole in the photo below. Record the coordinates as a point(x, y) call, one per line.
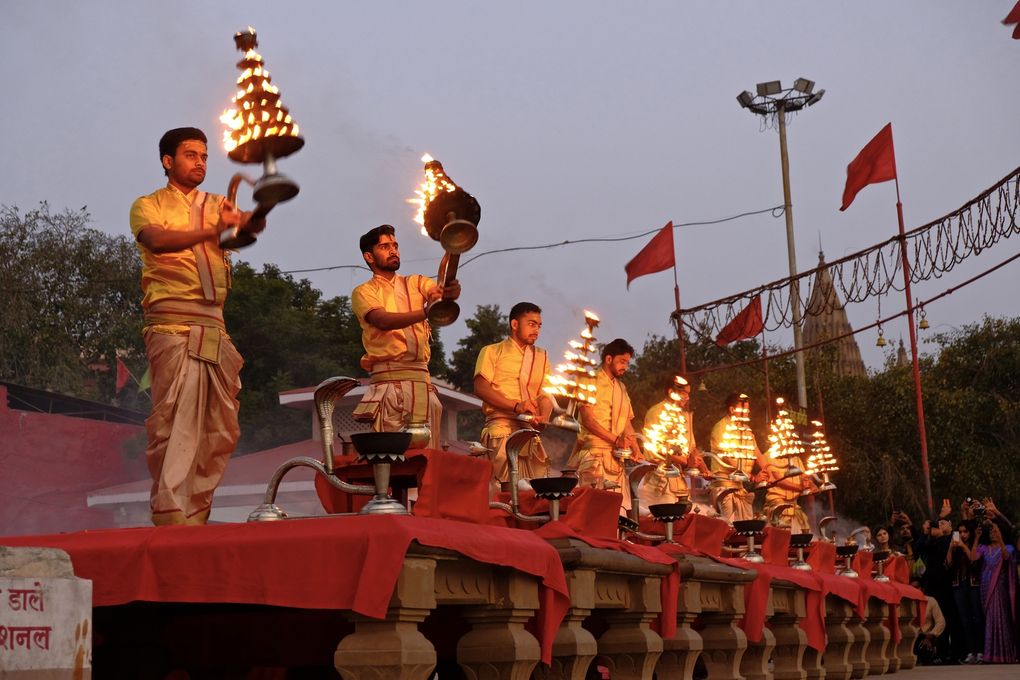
point(875, 163)
point(146, 381)
point(123, 374)
point(1014, 18)
point(747, 324)
point(654, 257)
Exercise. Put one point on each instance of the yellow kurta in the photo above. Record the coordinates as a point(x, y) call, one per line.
point(518, 373)
point(795, 516)
point(401, 294)
point(195, 369)
point(593, 456)
point(402, 391)
point(740, 504)
point(656, 487)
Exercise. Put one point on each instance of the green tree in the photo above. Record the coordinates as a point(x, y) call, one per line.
point(290, 337)
point(486, 327)
point(71, 304)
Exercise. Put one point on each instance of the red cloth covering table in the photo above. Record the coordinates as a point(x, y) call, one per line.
point(344, 563)
point(450, 485)
point(590, 512)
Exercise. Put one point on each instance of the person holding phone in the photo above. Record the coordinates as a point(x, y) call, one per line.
point(965, 571)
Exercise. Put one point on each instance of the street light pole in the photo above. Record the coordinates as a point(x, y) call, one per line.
point(773, 99)
point(791, 252)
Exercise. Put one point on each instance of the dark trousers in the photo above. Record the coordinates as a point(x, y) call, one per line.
point(968, 605)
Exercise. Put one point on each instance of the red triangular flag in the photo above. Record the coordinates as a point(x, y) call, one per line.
point(122, 374)
point(654, 257)
point(745, 325)
point(1014, 18)
point(875, 163)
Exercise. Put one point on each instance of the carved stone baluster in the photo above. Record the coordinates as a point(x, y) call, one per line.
point(755, 664)
point(724, 642)
point(498, 647)
point(393, 648)
point(839, 639)
point(574, 647)
point(630, 646)
point(877, 651)
point(859, 647)
point(680, 653)
point(908, 610)
point(791, 640)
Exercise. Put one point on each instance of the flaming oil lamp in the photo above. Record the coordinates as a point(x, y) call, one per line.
point(784, 443)
point(574, 379)
point(737, 442)
point(821, 461)
point(450, 215)
point(259, 130)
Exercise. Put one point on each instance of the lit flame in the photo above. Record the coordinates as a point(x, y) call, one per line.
point(435, 182)
point(256, 111)
point(783, 439)
point(576, 378)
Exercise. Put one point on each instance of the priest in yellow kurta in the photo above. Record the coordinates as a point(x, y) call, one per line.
point(393, 313)
point(734, 448)
point(194, 366)
point(678, 423)
point(784, 496)
point(606, 429)
point(509, 377)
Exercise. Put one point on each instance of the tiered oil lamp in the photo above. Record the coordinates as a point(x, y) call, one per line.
point(738, 440)
point(259, 130)
point(450, 215)
point(575, 378)
point(784, 442)
point(821, 460)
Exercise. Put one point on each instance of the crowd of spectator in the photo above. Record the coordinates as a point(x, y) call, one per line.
point(966, 564)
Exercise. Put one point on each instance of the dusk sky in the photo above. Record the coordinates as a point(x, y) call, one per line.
point(565, 120)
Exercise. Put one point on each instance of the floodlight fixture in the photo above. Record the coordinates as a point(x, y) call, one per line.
point(770, 88)
point(804, 85)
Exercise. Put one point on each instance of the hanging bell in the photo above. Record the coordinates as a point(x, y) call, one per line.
point(702, 387)
point(924, 325)
point(881, 342)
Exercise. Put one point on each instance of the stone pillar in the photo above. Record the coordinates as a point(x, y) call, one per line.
point(680, 652)
point(858, 648)
point(724, 642)
point(877, 651)
point(839, 639)
point(788, 603)
point(498, 647)
point(907, 612)
point(755, 663)
point(393, 648)
point(574, 647)
point(45, 616)
point(630, 646)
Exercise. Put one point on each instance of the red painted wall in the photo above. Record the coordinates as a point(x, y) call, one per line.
point(48, 465)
